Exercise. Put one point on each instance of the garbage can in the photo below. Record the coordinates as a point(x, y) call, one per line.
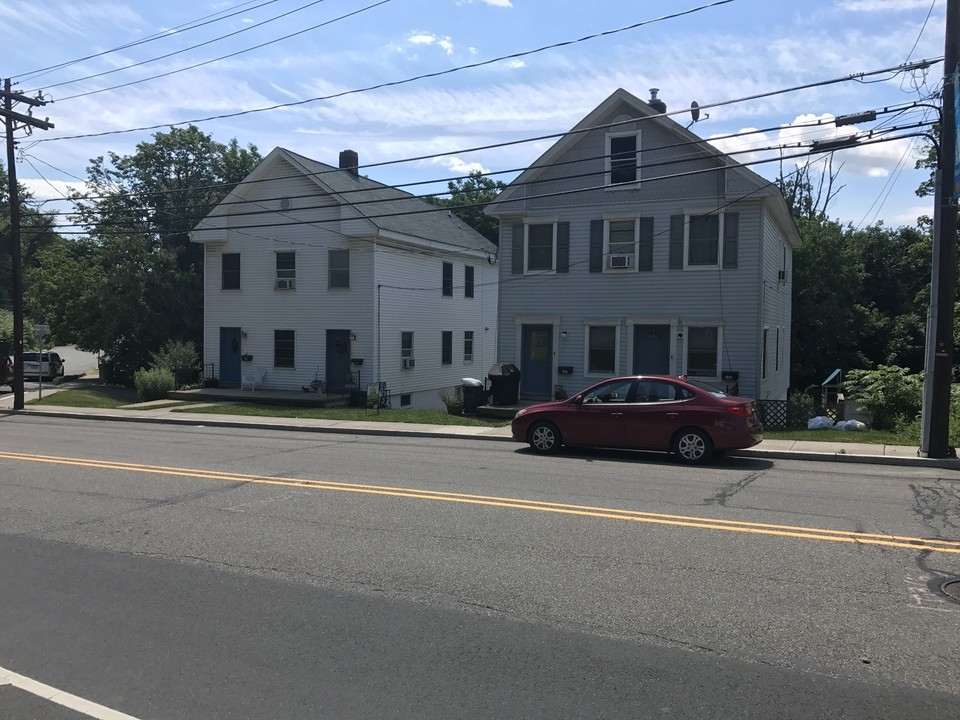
point(474, 395)
point(504, 383)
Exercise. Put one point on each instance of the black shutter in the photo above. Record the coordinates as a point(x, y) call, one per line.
point(731, 239)
point(676, 242)
point(645, 252)
point(517, 268)
point(596, 246)
point(563, 247)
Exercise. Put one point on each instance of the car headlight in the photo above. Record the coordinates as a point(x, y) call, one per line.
point(520, 412)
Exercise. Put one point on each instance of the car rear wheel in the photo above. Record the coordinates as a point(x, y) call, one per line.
point(544, 437)
point(691, 445)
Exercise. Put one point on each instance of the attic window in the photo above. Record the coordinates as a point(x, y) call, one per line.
point(623, 158)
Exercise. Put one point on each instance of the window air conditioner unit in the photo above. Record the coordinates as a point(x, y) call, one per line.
point(286, 284)
point(408, 363)
point(782, 276)
point(621, 261)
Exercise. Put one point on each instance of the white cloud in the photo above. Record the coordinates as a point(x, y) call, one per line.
point(424, 38)
point(41, 189)
point(494, 3)
point(883, 5)
point(515, 64)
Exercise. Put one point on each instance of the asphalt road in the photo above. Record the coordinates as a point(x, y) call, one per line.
point(213, 573)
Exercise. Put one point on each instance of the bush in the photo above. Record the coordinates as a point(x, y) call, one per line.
point(180, 358)
point(154, 384)
point(891, 393)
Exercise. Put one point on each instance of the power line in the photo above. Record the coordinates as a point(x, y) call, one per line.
point(189, 25)
point(212, 60)
point(559, 193)
point(404, 81)
point(419, 158)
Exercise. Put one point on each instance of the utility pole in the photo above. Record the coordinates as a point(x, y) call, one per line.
point(935, 423)
point(15, 121)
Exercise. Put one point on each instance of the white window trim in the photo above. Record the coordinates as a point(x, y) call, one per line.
point(686, 348)
point(686, 239)
point(606, 242)
point(468, 360)
point(586, 348)
point(526, 246)
point(349, 271)
point(608, 162)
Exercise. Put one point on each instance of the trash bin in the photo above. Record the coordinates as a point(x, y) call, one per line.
point(504, 383)
point(474, 395)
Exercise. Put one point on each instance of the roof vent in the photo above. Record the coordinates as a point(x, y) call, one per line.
point(656, 103)
point(350, 161)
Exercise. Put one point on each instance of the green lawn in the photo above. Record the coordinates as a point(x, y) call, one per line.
point(429, 417)
point(105, 397)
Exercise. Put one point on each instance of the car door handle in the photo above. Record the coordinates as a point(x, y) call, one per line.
point(616, 414)
point(673, 415)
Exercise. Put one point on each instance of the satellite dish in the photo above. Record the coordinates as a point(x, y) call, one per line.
point(695, 111)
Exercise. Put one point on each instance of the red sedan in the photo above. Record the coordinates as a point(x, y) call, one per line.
point(647, 412)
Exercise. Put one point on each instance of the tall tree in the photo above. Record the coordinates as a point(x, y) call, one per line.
point(136, 282)
point(468, 197)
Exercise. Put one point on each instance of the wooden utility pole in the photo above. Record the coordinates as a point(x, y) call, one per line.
point(15, 121)
point(935, 424)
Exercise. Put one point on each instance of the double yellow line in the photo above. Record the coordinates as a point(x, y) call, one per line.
point(605, 513)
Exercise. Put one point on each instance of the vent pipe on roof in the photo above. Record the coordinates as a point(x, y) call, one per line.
point(655, 102)
point(350, 161)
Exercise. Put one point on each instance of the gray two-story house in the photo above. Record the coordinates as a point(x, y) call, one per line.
point(632, 246)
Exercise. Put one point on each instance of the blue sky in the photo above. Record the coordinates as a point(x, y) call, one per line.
point(712, 55)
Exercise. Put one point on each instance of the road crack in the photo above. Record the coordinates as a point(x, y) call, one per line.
point(730, 489)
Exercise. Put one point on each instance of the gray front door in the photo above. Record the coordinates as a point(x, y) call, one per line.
point(651, 349)
point(536, 361)
point(229, 356)
point(338, 362)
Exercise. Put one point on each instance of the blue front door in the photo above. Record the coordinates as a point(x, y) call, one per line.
point(536, 361)
point(651, 349)
point(230, 355)
point(338, 362)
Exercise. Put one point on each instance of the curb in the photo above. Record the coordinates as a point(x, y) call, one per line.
point(396, 431)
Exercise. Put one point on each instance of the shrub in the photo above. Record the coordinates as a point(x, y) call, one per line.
point(891, 393)
point(153, 384)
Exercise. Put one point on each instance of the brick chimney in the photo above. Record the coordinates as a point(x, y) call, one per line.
point(350, 161)
point(656, 103)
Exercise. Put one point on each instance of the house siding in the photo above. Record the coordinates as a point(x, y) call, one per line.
point(409, 298)
point(677, 178)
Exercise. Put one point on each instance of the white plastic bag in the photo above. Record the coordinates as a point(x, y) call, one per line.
point(821, 422)
point(854, 425)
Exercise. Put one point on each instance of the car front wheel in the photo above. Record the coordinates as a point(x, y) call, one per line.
point(691, 445)
point(544, 437)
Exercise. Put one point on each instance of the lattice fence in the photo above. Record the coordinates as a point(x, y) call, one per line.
point(785, 414)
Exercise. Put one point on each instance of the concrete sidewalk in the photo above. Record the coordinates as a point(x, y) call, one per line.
point(845, 451)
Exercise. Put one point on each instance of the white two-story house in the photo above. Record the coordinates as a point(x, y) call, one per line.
point(322, 278)
point(632, 246)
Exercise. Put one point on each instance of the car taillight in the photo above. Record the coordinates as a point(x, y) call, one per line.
point(741, 410)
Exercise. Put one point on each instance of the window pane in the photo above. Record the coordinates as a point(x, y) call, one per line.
point(623, 159)
point(339, 263)
point(540, 247)
point(704, 240)
point(406, 344)
point(468, 345)
point(283, 348)
point(621, 237)
point(602, 350)
point(230, 271)
point(702, 352)
point(448, 278)
point(468, 281)
point(446, 350)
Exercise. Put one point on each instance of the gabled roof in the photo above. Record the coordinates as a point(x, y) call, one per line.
point(386, 208)
point(599, 116)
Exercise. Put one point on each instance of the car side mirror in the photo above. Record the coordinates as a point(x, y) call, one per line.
point(578, 400)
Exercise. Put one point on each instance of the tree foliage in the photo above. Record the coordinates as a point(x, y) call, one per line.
point(468, 197)
point(136, 281)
